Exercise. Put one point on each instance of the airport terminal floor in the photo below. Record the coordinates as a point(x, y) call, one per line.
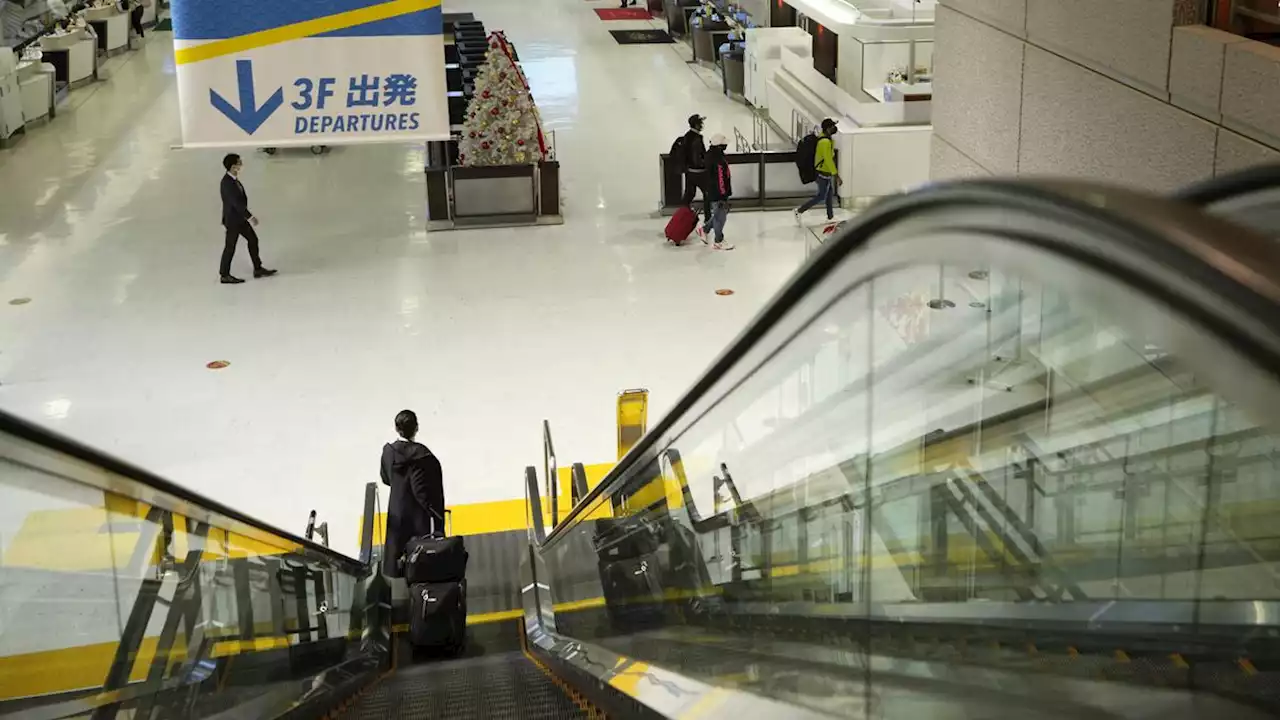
point(114, 236)
point(993, 449)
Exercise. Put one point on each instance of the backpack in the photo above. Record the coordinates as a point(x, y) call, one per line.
point(806, 154)
point(679, 154)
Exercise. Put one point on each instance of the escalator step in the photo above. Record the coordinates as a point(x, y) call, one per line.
point(504, 685)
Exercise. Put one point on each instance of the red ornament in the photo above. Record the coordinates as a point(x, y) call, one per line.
point(484, 146)
point(494, 112)
point(485, 94)
point(473, 134)
point(520, 142)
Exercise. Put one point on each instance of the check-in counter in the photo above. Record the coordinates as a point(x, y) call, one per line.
point(112, 27)
point(706, 38)
point(74, 56)
point(36, 82)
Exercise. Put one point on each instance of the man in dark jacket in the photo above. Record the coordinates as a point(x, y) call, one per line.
point(695, 166)
point(416, 507)
point(238, 221)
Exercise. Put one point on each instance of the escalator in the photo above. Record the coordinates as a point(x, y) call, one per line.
point(998, 450)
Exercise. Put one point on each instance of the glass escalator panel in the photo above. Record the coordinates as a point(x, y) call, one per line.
point(996, 444)
point(123, 596)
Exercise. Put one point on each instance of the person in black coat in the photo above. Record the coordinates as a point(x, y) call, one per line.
point(416, 507)
point(238, 221)
point(695, 166)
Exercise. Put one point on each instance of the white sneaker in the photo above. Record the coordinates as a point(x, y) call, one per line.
point(723, 246)
point(702, 234)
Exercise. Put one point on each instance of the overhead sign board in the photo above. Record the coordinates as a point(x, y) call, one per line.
point(276, 73)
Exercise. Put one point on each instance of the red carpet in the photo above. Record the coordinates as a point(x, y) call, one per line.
point(635, 13)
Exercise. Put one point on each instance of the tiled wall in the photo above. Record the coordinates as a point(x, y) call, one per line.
point(1123, 91)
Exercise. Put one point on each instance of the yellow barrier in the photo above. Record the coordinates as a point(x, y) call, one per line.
point(633, 419)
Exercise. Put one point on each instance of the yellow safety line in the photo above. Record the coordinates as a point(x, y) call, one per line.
point(492, 617)
point(297, 31)
point(475, 619)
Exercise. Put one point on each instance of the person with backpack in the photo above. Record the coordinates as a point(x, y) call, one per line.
point(825, 172)
point(692, 153)
point(719, 189)
point(416, 505)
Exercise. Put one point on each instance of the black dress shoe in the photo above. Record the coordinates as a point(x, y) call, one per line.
point(263, 272)
point(231, 280)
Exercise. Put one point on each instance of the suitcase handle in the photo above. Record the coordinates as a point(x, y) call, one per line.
point(446, 520)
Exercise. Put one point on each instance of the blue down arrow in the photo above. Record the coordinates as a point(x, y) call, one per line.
point(248, 117)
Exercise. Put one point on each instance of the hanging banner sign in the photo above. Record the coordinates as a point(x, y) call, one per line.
point(275, 73)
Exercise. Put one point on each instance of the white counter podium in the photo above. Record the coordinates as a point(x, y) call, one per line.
point(73, 55)
point(112, 27)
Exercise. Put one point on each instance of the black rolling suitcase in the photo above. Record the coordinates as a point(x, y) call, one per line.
point(632, 592)
point(435, 559)
point(438, 615)
point(436, 568)
point(630, 573)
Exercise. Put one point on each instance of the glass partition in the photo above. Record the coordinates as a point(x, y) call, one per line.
point(117, 597)
point(1002, 459)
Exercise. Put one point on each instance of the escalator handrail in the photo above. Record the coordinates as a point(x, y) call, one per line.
point(1232, 186)
point(1240, 266)
point(140, 478)
point(533, 500)
point(551, 469)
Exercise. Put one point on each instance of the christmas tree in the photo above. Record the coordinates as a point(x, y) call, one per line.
point(502, 125)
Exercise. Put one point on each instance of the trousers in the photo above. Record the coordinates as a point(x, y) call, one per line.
point(693, 182)
point(229, 249)
point(719, 214)
point(826, 191)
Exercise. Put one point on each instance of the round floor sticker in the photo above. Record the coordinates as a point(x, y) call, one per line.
point(217, 364)
point(724, 291)
point(19, 301)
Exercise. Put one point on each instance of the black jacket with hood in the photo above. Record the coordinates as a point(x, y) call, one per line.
point(417, 495)
point(718, 186)
point(695, 149)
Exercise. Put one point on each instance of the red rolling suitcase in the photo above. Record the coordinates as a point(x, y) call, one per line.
point(681, 224)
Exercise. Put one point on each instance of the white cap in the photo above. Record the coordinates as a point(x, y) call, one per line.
point(717, 139)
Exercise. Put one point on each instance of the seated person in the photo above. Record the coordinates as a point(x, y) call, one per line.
point(416, 507)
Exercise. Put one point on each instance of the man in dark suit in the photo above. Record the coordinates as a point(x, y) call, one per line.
point(238, 221)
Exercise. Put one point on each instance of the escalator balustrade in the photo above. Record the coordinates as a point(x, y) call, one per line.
point(997, 442)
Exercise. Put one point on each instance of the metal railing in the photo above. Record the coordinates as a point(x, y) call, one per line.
point(550, 471)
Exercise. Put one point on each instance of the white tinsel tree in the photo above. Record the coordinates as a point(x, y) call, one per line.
point(502, 125)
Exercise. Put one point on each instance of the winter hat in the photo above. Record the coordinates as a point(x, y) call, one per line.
point(718, 139)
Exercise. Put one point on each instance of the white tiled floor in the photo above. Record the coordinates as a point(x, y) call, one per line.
point(114, 236)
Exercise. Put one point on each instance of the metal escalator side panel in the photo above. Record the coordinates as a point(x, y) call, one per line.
point(1136, 228)
point(927, 342)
